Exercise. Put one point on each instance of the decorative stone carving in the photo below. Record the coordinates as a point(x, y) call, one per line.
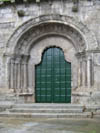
point(27, 36)
point(18, 74)
point(51, 29)
point(85, 33)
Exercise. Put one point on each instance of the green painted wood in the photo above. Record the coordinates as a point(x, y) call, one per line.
point(53, 78)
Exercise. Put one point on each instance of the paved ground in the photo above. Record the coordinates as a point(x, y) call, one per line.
point(10, 125)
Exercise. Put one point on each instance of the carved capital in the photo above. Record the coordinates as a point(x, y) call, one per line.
point(25, 58)
point(81, 55)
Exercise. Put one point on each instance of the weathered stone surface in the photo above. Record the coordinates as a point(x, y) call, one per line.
point(23, 39)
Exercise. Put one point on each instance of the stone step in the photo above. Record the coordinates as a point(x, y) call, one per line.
point(45, 115)
point(5, 105)
point(92, 108)
point(97, 112)
point(45, 110)
point(51, 106)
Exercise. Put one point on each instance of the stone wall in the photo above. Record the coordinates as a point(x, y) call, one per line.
point(88, 14)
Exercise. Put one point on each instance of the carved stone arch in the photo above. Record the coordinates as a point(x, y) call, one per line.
point(31, 46)
point(54, 41)
point(50, 29)
point(87, 38)
point(66, 45)
point(27, 38)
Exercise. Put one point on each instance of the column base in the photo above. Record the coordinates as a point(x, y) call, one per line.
point(27, 98)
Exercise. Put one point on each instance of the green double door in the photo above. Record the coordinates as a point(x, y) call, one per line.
point(53, 78)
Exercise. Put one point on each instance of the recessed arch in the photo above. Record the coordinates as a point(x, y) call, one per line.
point(56, 23)
point(26, 45)
point(47, 29)
point(61, 42)
point(55, 41)
point(49, 35)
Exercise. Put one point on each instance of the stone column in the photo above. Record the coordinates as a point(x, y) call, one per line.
point(84, 73)
point(9, 74)
point(15, 75)
point(22, 77)
point(19, 77)
point(12, 74)
point(18, 74)
point(25, 78)
point(89, 72)
point(25, 74)
point(85, 62)
point(80, 74)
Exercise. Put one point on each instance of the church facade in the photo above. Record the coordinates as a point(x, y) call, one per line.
point(49, 51)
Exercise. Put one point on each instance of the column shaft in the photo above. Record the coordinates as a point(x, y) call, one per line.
point(89, 73)
point(19, 78)
point(80, 74)
point(25, 77)
point(22, 78)
point(9, 75)
point(12, 74)
point(15, 77)
point(85, 73)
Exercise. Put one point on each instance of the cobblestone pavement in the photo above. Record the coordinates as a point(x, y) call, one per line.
point(11, 125)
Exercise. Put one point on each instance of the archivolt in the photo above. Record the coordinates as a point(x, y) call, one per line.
point(21, 71)
point(22, 39)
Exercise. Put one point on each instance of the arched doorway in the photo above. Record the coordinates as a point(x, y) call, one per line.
point(53, 78)
point(25, 47)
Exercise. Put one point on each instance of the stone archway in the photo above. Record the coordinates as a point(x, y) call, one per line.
point(53, 41)
point(26, 45)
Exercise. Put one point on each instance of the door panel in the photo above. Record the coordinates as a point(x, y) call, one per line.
point(53, 78)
